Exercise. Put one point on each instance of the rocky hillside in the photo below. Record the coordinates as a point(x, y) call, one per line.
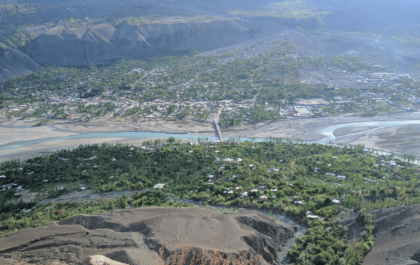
point(82, 46)
point(135, 236)
point(14, 63)
point(74, 46)
point(397, 236)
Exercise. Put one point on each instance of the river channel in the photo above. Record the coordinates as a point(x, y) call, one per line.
point(328, 132)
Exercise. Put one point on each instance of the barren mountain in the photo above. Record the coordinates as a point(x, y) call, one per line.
point(397, 237)
point(14, 63)
point(135, 236)
point(82, 46)
point(74, 46)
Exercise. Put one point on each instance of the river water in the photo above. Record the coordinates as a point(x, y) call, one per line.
point(328, 132)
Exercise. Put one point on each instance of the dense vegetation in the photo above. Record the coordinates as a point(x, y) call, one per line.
point(293, 177)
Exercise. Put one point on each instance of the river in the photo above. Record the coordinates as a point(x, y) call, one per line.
point(328, 132)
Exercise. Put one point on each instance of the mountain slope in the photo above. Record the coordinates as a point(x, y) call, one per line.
point(74, 46)
point(82, 46)
point(15, 63)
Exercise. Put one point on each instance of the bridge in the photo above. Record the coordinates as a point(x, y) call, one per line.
point(217, 129)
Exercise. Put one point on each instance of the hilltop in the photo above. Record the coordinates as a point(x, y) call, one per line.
point(135, 236)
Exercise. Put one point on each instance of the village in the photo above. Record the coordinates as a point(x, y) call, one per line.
point(195, 89)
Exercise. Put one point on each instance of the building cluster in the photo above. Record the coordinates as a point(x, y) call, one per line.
point(380, 79)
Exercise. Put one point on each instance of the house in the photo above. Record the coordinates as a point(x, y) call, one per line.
point(330, 174)
point(210, 176)
point(239, 159)
point(273, 190)
point(300, 202)
point(311, 216)
point(245, 194)
point(262, 187)
point(237, 188)
point(335, 201)
point(254, 190)
point(18, 189)
point(113, 159)
point(252, 166)
point(82, 188)
point(263, 198)
point(341, 177)
point(159, 186)
point(230, 192)
point(2, 177)
point(228, 160)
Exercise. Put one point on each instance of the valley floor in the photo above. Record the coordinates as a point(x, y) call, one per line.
point(386, 133)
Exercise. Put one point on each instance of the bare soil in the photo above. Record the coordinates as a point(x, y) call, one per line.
point(135, 236)
point(352, 130)
point(397, 237)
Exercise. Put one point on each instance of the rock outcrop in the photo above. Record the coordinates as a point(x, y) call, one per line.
point(82, 46)
point(101, 260)
point(135, 236)
point(15, 63)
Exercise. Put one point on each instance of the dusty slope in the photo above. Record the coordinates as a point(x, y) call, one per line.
point(15, 63)
point(397, 237)
point(82, 46)
point(134, 236)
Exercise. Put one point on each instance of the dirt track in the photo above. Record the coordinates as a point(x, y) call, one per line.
point(134, 236)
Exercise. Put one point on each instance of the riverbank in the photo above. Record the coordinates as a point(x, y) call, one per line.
point(398, 133)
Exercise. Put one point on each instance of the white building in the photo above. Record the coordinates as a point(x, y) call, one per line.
point(159, 186)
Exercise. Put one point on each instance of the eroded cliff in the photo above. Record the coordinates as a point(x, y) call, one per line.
point(84, 45)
